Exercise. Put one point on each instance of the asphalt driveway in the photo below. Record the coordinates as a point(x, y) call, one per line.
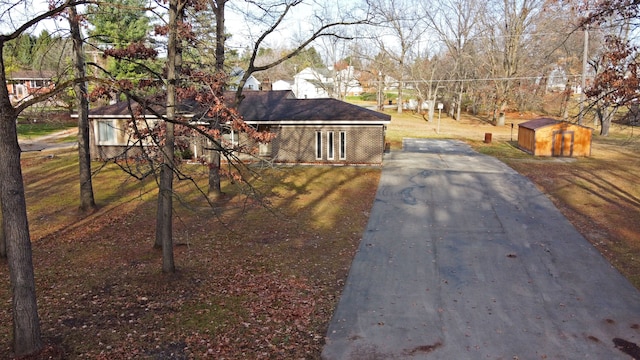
point(463, 258)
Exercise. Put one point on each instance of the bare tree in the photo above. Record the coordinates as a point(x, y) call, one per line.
point(506, 25)
point(455, 22)
point(428, 78)
point(87, 201)
point(398, 31)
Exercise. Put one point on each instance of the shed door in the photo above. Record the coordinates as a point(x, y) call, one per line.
point(562, 143)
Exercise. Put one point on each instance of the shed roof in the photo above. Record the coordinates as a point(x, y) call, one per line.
point(539, 123)
point(270, 107)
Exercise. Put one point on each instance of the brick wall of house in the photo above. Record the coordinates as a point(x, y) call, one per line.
point(115, 152)
point(294, 144)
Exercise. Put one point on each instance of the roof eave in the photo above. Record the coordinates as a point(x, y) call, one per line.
point(317, 122)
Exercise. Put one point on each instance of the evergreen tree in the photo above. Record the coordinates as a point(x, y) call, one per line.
point(117, 26)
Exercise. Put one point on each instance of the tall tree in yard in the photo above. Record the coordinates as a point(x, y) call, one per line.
point(87, 201)
point(164, 218)
point(26, 324)
point(218, 7)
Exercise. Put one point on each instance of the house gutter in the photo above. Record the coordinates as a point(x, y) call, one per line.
point(316, 122)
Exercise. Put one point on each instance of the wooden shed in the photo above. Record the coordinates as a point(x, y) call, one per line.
point(550, 137)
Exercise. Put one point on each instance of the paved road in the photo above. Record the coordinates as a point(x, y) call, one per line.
point(463, 258)
point(49, 142)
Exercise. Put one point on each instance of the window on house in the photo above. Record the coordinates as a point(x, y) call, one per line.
point(318, 145)
point(20, 90)
point(330, 146)
point(34, 84)
point(343, 145)
point(107, 132)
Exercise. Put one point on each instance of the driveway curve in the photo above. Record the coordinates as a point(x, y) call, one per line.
point(463, 258)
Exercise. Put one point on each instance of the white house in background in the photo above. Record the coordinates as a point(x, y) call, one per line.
point(557, 80)
point(347, 83)
point(282, 85)
point(312, 84)
point(317, 83)
point(236, 75)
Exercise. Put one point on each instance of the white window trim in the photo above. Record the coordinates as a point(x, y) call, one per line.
point(331, 149)
point(112, 124)
point(318, 141)
point(342, 145)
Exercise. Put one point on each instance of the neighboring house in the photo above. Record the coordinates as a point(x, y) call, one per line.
point(309, 131)
point(282, 85)
point(347, 83)
point(557, 80)
point(317, 83)
point(312, 84)
point(236, 75)
point(22, 84)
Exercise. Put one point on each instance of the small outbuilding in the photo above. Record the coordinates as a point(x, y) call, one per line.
point(550, 137)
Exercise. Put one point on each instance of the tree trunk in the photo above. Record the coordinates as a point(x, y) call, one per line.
point(3, 243)
point(164, 216)
point(87, 201)
point(605, 120)
point(459, 110)
point(214, 167)
point(400, 96)
point(157, 244)
point(214, 175)
point(26, 324)
point(566, 101)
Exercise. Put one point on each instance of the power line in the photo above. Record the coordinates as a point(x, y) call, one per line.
point(491, 79)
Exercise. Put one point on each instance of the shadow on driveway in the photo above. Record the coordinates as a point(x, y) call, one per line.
point(463, 258)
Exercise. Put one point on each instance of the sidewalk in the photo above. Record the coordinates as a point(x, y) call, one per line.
point(463, 258)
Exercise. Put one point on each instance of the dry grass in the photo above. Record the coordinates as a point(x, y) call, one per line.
point(410, 125)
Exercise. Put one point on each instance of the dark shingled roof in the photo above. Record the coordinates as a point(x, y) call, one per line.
point(274, 107)
point(30, 75)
